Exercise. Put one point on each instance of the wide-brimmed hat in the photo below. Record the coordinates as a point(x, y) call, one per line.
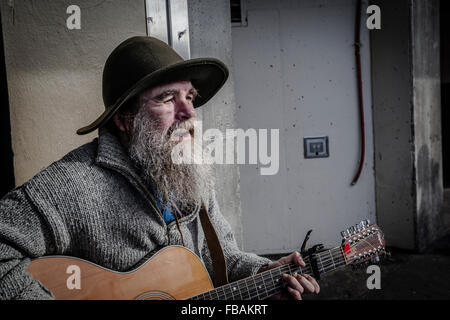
point(144, 62)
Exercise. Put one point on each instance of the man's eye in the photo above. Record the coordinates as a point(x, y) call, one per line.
point(168, 99)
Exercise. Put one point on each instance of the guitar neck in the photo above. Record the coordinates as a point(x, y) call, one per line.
point(268, 283)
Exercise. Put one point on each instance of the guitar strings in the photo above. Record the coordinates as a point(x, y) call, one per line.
point(329, 260)
point(332, 258)
point(252, 290)
point(258, 282)
point(275, 288)
point(262, 281)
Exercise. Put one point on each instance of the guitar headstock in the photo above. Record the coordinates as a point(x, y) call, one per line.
point(363, 242)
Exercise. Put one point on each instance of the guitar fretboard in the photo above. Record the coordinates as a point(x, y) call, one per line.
point(268, 283)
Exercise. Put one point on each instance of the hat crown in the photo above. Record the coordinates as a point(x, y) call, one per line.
point(131, 61)
point(144, 62)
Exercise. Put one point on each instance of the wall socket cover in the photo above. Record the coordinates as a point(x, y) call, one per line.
point(316, 147)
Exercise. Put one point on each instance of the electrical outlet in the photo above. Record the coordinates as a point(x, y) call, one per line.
point(316, 147)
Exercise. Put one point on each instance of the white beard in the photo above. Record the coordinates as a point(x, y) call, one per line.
point(151, 151)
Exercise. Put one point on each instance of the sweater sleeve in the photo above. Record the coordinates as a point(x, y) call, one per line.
point(240, 264)
point(24, 234)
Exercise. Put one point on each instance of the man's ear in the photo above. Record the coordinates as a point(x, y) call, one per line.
point(120, 123)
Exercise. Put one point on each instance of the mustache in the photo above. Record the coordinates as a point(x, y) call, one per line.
point(181, 128)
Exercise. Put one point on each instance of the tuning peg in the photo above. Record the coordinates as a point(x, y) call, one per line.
point(344, 234)
point(361, 225)
point(352, 230)
point(375, 260)
point(366, 222)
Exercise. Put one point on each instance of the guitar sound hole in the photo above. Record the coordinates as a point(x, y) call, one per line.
point(155, 295)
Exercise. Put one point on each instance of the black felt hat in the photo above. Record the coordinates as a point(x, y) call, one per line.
point(143, 62)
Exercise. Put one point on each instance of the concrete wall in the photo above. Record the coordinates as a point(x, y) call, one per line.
point(54, 74)
point(210, 35)
point(427, 119)
point(407, 122)
point(445, 43)
point(392, 117)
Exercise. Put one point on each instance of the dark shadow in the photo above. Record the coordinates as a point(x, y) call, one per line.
point(7, 168)
point(445, 90)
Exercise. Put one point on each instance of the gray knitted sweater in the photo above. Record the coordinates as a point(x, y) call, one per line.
point(93, 205)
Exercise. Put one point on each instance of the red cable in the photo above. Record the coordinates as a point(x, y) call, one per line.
point(360, 90)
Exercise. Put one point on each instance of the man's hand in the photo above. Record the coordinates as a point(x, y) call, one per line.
point(296, 284)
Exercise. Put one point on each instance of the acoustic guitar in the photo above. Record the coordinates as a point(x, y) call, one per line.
point(177, 273)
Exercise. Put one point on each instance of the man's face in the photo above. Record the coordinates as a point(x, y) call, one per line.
point(169, 105)
point(164, 119)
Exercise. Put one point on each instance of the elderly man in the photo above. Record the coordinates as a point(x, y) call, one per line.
point(120, 198)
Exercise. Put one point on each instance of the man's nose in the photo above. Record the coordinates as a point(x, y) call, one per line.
point(185, 110)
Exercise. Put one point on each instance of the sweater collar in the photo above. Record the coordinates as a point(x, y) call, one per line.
point(112, 155)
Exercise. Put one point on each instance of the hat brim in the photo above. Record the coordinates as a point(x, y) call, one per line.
point(207, 75)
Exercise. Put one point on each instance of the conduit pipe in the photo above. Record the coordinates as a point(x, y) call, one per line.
point(360, 90)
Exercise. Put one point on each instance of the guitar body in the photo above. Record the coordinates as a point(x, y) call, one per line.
point(176, 273)
point(172, 273)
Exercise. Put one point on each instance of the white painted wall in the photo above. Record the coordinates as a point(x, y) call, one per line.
point(294, 69)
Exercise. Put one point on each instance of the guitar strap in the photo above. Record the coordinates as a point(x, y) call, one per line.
point(215, 249)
